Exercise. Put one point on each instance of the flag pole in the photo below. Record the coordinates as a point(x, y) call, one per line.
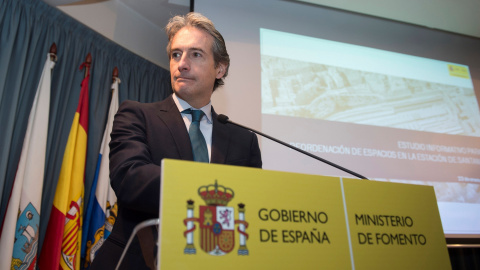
point(114, 77)
point(53, 52)
point(88, 63)
point(115, 74)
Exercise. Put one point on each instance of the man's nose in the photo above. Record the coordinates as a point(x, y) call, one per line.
point(184, 63)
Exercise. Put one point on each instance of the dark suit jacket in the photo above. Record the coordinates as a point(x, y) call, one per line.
point(143, 134)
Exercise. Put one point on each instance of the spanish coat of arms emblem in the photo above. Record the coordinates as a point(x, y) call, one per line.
point(216, 222)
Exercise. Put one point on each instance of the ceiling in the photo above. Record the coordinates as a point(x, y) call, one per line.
point(155, 11)
point(158, 11)
point(445, 15)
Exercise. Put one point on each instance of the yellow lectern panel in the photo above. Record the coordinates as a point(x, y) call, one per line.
point(239, 218)
point(394, 226)
point(214, 216)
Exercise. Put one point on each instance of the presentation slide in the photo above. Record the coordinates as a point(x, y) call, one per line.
point(385, 104)
point(369, 91)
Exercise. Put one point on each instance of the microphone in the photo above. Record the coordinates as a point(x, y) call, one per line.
point(224, 120)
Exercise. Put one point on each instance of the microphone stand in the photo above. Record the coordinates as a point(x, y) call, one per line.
point(224, 119)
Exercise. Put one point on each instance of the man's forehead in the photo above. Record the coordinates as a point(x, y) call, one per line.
point(191, 38)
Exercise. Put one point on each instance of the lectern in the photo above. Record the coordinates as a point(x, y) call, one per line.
point(218, 216)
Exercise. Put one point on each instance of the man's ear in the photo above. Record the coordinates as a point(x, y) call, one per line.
point(221, 69)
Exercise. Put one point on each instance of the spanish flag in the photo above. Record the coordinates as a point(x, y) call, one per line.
point(61, 248)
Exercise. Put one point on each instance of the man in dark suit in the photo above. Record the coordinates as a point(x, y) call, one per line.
point(144, 134)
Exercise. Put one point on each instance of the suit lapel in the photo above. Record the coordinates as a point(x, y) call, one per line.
point(220, 140)
point(169, 114)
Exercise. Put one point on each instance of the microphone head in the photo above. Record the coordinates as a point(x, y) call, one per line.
point(222, 118)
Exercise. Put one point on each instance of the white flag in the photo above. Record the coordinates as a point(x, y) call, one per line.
point(102, 206)
point(19, 238)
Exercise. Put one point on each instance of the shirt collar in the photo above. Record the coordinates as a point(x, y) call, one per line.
point(183, 105)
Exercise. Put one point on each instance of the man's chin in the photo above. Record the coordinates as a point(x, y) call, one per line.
point(182, 92)
point(181, 89)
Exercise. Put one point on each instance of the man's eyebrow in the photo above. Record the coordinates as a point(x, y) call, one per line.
point(189, 49)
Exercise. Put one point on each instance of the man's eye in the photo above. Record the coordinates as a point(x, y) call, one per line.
point(196, 54)
point(175, 55)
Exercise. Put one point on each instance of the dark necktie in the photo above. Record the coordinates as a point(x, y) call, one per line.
point(199, 146)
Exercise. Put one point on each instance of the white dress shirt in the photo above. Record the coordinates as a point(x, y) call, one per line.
point(206, 124)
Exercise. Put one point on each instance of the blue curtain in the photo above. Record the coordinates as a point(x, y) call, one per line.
point(27, 30)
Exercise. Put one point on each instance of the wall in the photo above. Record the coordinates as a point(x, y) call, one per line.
point(130, 25)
